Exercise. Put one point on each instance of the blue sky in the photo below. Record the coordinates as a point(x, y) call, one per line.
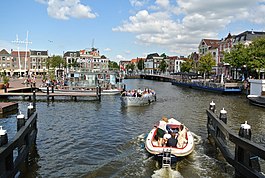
point(125, 29)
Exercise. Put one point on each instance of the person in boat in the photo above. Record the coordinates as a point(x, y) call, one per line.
point(172, 141)
point(161, 130)
point(182, 140)
point(166, 137)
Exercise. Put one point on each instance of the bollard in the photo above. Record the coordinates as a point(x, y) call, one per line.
point(34, 99)
point(30, 110)
point(223, 116)
point(212, 106)
point(3, 137)
point(244, 156)
point(20, 121)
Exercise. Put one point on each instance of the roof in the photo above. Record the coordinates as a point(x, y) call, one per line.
point(67, 54)
point(248, 36)
point(3, 52)
point(211, 43)
point(21, 53)
point(35, 52)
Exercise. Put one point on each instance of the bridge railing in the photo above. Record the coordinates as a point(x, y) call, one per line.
point(16, 152)
point(247, 154)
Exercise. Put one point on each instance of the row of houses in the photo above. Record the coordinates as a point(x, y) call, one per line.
point(214, 46)
point(23, 63)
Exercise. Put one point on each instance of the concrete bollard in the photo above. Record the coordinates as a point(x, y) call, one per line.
point(223, 115)
point(3, 137)
point(30, 110)
point(212, 106)
point(20, 121)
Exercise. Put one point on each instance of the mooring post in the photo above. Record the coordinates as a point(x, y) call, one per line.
point(243, 156)
point(48, 93)
point(20, 121)
point(7, 164)
point(3, 137)
point(223, 115)
point(212, 107)
point(34, 99)
point(209, 121)
point(99, 93)
point(30, 110)
point(52, 92)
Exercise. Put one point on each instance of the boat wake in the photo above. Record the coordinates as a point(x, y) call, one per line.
point(166, 173)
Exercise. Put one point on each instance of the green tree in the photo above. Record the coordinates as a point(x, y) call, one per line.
point(55, 62)
point(163, 55)
point(163, 66)
point(113, 65)
point(130, 67)
point(237, 57)
point(257, 54)
point(140, 64)
point(206, 64)
point(186, 66)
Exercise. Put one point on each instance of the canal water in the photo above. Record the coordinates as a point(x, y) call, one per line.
point(104, 139)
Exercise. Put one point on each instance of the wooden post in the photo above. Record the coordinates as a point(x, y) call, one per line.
point(52, 92)
point(212, 106)
point(243, 156)
point(48, 93)
point(8, 164)
point(20, 121)
point(34, 99)
point(30, 110)
point(209, 121)
point(223, 116)
point(3, 137)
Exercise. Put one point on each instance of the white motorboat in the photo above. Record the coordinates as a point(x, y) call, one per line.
point(138, 100)
point(180, 150)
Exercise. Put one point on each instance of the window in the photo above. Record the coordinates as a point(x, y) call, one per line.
point(38, 53)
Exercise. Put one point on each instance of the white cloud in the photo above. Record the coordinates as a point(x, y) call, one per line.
point(120, 57)
point(65, 9)
point(107, 49)
point(138, 3)
point(179, 26)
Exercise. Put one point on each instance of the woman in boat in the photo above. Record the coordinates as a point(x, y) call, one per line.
point(172, 141)
point(161, 130)
point(182, 136)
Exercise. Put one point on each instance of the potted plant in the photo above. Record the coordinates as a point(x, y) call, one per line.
point(6, 81)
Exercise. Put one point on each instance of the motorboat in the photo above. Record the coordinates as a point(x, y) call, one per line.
point(179, 150)
point(138, 98)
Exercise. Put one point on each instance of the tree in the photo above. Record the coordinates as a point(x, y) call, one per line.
point(257, 54)
point(130, 67)
point(206, 63)
point(140, 64)
point(163, 66)
point(163, 55)
point(55, 62)
point(237, 57)
point(113, 65)
point(186, 66)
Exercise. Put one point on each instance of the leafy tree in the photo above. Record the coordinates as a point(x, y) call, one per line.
point(163, 66)
point(55, 62)
point(237, 57)
point(257, 54)
point(163, 55)
point(140, 64)
point(206, 63)
point(130, 67)
point(186, 66)
point(113, 65)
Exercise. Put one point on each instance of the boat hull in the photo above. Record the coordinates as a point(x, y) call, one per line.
point(152, 147)
point(256, 100)
point(137, 101)
point(212, 88)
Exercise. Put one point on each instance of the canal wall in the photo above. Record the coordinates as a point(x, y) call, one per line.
point(246, 155)
point(15, 153)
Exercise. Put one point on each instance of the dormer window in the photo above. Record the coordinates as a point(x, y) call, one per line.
point(38, 53)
